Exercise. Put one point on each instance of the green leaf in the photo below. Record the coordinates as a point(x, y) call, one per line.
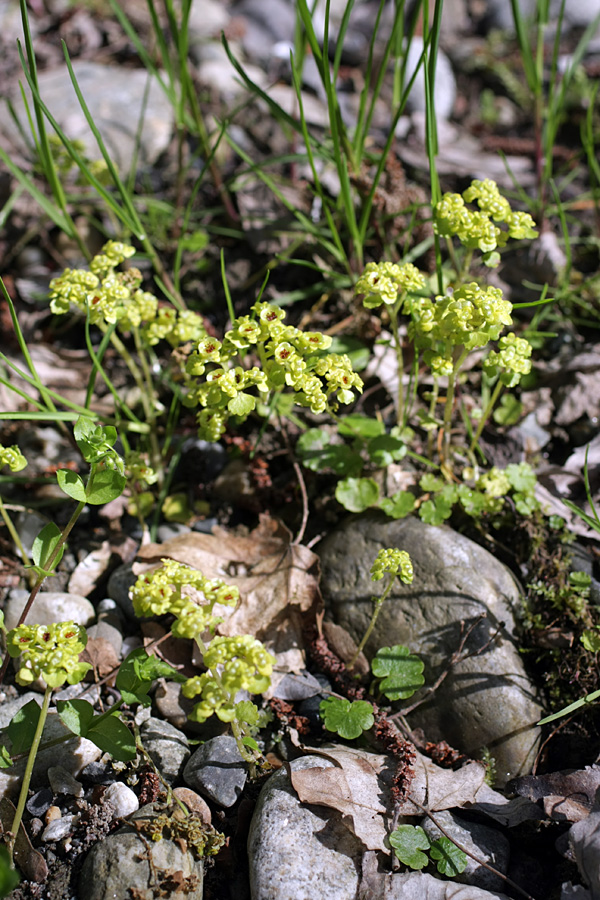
point(399, 505)
point(357, 494)
point(248, 741)
point(583, 701)
point(137, 673)
point(317, 453)
point(385, 449)
point(44, 545)
point(22, 726)
point(5, 758)
point(408, 841)
point(357, 425)
point(77, 715)
point(246, 711)
point(521, 477)
point(114, 737)
point(591, 640)
point(429, 482)
point(450, 860)
point(9, 877)
point(104, 485)
point(71, 484)
point(349, 720)
point(401, 670)
point(509, 411)
point(435, 512)
point(242, 404)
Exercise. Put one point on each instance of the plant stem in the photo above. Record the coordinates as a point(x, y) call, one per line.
point(48, 565)
point(399, 360)
point(16, 540)
point(378, 603)
point(486, 414)
point(449, 405)
point(29, 772)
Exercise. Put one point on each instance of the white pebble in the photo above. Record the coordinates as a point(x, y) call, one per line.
point(121, 798)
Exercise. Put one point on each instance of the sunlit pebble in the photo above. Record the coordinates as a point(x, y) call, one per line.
point(35, 826)
point(52, 813)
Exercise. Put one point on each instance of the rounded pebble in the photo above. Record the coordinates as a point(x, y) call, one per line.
point(121, 798)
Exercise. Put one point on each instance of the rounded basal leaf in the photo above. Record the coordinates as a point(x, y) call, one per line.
point(242, 404)
point(509, 411)
point(399, 505)
point(450, 860)
point(347, 719)
point(104, 485)
point(357, 494)
point(385, 449)
point(356, 425)
point(317, 453)
point(401, 670)
point(408, 842)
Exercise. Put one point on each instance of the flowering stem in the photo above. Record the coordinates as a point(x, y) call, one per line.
point(378, 603)
point(400, 361)
point(449, 405)
point(16, 540)
point(486, 414)
point(48, 565)
point(29, 772)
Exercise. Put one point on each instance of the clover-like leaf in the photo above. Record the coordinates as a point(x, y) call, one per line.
point(386, 449)
point(399, 505)
point(357, 494)
point(408, 842)
point(521, 477)
point(435, 512)
point(509, 411)
point(450, 860)
point(401, 670)
point(242, 404)
point(347, 719)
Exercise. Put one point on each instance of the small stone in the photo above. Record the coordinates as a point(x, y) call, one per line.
point(59, 828)
point(194, 803)
point(173, 706)
point(62, 782)
point(119, 583)
point(122, 799)
point(52, 814)
point(40, 802)
point(217, 770)
point(117, 867)
point(167, 747)
point(48, 607)
point(487, 844)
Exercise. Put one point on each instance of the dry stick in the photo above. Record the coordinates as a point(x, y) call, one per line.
point(480, 862)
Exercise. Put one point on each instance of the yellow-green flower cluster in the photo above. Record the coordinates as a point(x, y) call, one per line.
point(469, 317)
point(288, 358)
point(13, 458)
point(162, 591)
point(243, 664)
point(50, 651)
point(385, 282)
point(477, 229)
point(397, 562)
point(116, 297)
point(512, 359)
point(138, 470)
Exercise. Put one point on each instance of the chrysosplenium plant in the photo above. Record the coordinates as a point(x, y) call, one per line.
point(469, 316)
point(233, 664)
point(288, 357)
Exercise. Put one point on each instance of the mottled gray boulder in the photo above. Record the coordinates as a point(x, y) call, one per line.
point(115, 99)
point(297, 852)
point(486, 700)
point(118, 866)
point(48, 606)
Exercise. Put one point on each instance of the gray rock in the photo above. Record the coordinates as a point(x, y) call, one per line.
point(109, 95)
point(444, 90)
point(9, 708)
point(487, 844)
point(73, 755)
point(60, 828)
point(118, 866)
point(296, 851)
point(62, 782)
point(217, 771)
point(48, 606)
point(422, 886)
point(119, 584)
point(167, 747)
point(486, 700)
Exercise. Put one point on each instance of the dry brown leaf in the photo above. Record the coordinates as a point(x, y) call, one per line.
point(354, 788)
point(88, 572)
point(175, 651)
point(101, 654)
point(434, 788)
point(31, 862)
point(277, 580)
point(422, 886)
point(584, 841)
point(567, 796)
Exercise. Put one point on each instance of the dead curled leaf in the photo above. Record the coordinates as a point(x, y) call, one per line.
point(277, 580)
point(566, 796)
